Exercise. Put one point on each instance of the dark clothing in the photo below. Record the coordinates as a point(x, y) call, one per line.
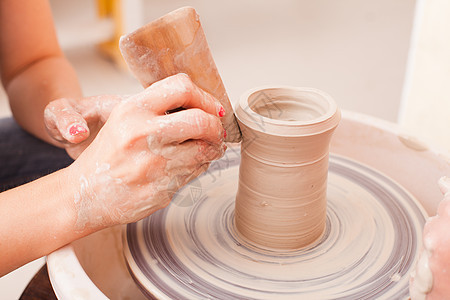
point(24, 158)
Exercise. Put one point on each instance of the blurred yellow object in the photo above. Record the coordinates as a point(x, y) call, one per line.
point(112, 9)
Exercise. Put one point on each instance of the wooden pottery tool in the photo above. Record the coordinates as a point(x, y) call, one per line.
point(176, 43)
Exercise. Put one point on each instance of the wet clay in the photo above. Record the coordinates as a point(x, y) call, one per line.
point(192, 250)
point(176, 43)
point(281, 198)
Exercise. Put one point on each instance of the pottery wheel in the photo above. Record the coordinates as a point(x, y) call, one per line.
point(191, 249)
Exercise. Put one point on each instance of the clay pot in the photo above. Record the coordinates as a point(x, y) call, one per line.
point(281, 198)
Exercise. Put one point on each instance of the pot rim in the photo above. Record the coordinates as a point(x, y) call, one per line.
point(326, 121)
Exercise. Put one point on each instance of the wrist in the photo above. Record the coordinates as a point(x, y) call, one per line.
point(88, 210)
point(78, 199)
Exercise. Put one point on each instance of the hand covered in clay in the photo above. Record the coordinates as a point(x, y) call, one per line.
point(143, 155)
point(431, 279)
point(75, 123)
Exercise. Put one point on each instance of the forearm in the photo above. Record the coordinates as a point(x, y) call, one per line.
point(34, 87)
point(36, 219)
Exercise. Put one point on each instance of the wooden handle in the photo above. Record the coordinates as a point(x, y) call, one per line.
point(176, 43)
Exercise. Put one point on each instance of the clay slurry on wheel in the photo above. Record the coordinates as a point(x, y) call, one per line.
point(371, 240)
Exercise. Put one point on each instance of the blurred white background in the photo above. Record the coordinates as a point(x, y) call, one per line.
point(356, 50)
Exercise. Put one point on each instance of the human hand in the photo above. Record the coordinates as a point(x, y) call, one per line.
point(431, 278)
point(142, 155)
point(75, 123)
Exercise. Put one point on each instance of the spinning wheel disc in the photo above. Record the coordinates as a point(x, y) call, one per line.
point(191, 249)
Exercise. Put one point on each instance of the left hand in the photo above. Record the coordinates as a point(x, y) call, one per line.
point(431, 278)
point(75, 123)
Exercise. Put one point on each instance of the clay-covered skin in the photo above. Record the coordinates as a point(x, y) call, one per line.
point(431, 279)
point(142, 155)
point(76, 122)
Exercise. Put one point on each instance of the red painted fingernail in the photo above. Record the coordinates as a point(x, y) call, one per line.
point(224, 133)
point(77, 129)
point(221, 112)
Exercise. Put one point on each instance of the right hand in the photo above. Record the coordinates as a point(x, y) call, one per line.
point(142, 155)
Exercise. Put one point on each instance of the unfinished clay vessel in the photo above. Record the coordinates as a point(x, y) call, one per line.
point(281, 199)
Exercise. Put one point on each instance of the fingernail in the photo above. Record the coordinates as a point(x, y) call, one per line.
point(224, 133)
point(77, 129)
point(221, 112)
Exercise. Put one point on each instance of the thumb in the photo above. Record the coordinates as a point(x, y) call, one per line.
point(64, 123)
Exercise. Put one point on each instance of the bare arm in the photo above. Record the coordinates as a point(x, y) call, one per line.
point(34, 70)
point(138, 160)
point(36, 219)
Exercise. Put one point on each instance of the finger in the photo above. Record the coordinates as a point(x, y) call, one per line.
point(190, 124)
point(194, 173)
point(434, 232)
point(444, 207)
point(180, 180)
point(98, 108)
point(64, 123)
point(444, 184)
point(178, 91)
point(188, 155)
